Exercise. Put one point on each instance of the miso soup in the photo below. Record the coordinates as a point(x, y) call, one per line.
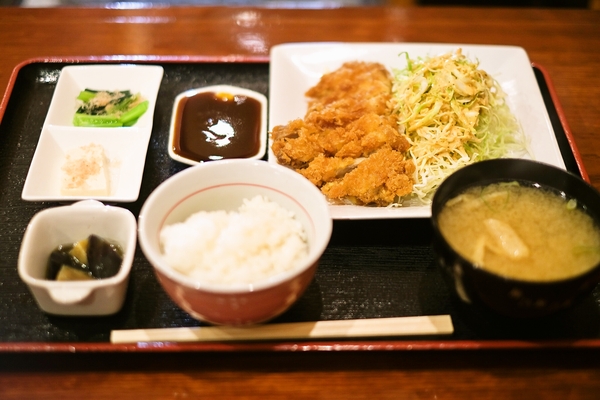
point(521, 232)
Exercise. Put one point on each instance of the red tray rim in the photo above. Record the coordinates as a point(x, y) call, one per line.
point(304, 346)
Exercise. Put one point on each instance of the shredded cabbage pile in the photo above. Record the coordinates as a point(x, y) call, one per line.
point(453, 114)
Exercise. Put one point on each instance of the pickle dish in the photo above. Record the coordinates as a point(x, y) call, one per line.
point(56, 226)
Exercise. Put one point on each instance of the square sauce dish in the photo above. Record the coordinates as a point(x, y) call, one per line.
point(218, 122)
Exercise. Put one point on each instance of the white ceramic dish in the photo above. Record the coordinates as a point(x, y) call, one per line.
point(67, 224)
point(125, 147)
point(234, 90)
point(297, 67)
point(143, 79)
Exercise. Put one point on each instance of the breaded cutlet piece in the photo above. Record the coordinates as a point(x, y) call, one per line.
point(349, 119)
point(378, 180)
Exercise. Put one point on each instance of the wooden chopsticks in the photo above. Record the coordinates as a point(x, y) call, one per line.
point(398, 326)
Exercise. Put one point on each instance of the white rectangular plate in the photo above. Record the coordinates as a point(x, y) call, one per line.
point(125, 147)
point(297, 67)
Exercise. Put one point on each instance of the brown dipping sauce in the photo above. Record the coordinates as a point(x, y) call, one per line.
point(213, 126)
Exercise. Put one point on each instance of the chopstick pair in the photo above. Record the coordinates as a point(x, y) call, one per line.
point(398, 326)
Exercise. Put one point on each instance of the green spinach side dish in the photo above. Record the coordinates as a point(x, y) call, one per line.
point(107, 109)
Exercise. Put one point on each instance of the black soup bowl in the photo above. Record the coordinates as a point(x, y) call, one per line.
point(507, 296)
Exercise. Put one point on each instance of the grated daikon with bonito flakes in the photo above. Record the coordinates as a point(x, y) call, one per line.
point(259, 240)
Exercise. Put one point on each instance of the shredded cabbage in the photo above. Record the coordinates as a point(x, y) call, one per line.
point(453, 114)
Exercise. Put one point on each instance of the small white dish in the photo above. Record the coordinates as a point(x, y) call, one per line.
point(143, 79)
point(227, 89)
point(124, 147)
point(68, 224)
point(296, 67)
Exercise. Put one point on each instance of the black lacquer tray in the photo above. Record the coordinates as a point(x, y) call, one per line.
point(371, 269)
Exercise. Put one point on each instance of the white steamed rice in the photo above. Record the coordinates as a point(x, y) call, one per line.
point(259, 240)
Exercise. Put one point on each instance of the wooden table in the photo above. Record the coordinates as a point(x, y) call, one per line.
point(565, 42)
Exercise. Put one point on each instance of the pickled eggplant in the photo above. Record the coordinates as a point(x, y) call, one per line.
point(61, 258)
point(91, 258)
point(104, 258)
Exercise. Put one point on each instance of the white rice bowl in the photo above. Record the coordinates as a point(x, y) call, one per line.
point(258, 241)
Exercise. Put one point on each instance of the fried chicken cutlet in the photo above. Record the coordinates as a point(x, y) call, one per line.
point(348, 122)
point(379, 180)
